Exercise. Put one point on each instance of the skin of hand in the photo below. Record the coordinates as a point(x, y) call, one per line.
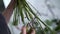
point(24, 30)
point(33, 32)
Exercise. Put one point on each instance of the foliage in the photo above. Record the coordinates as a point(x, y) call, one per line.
point(23, 9)
point(51, 22)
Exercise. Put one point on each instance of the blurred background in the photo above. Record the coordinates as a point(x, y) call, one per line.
point(48, 11)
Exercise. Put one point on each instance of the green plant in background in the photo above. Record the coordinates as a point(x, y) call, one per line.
point(51, 22)
point(23, 9)
point(57, 21)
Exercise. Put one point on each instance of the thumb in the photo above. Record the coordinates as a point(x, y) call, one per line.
point(33, 32)
point(24, 30)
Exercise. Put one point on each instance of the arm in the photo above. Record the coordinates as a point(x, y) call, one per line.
point(9, 10)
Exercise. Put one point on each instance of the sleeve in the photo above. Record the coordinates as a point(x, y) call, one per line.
point(3, 26)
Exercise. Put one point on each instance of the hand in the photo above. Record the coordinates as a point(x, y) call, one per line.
point(24, 31)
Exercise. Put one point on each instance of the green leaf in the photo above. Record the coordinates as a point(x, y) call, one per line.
point(30, 15)
point(22, 15)
point(48, 22)
point(26, 14)
point(15, 22)
point(20, 7)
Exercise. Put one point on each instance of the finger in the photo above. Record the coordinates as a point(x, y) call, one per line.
point(24, 30)
point(33, 32)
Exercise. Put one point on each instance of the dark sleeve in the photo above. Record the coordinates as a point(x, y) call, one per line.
point(3, 26)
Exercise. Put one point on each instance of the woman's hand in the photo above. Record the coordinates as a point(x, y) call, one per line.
point(24, 31)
